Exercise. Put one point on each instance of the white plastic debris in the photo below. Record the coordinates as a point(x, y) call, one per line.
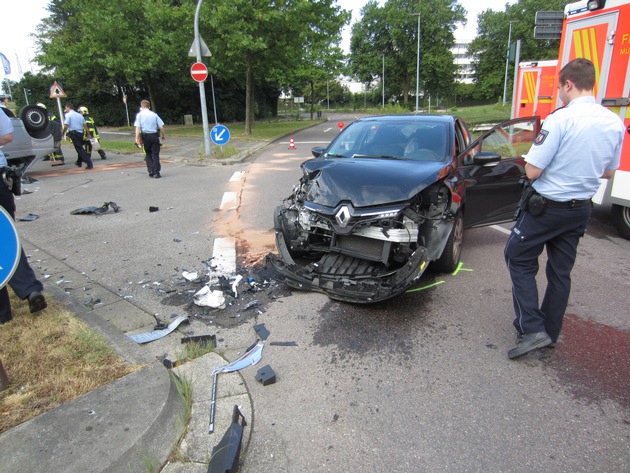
point(208, 298)
point(237, 280)
point(190, 275)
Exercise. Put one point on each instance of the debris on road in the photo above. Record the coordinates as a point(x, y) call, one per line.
point(225, 455)
point(157, 334)
point(266, 375)
point(206, 297)
point(96, 210)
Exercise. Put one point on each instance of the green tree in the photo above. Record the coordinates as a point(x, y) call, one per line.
point(489, 48)
point(288, 42)
point(391, 31)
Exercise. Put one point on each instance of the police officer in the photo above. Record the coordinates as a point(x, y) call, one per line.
point(91, 126)
point(75, 127)
point(56, 158)
point(577, 145)
point(23, 282)
point(149, 127)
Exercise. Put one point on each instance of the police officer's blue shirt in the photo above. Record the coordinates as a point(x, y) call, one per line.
point(6, 128)
point(75, 121)
point(148, 121)
point(576, 144)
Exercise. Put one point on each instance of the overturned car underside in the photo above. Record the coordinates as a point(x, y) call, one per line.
point(364, 242)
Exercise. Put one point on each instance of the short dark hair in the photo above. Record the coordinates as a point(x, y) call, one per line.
point(581, 72)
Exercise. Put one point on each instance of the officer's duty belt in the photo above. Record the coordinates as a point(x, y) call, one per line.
point(566, 205)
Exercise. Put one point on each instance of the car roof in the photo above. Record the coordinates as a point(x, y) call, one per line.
point(409, 118)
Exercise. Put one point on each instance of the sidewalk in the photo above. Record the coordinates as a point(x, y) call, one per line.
point(134, 423)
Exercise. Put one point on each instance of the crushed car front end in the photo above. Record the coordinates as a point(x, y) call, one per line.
point(372, 242)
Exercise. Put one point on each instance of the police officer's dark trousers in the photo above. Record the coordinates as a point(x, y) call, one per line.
point(559, 231)
point(23, 281)
point(151, 143)
point(77, 140)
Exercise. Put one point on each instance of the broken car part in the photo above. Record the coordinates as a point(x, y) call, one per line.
point(266, 375)
point(96, 210)
point(261, 331)
point(157, 334)
point(252, 356)
point(225, 455)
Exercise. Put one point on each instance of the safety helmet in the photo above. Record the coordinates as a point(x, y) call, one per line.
point(41, 105)
point(83, 110)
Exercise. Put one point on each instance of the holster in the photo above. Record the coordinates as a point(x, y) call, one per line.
point(531, 201)
point(11, 180)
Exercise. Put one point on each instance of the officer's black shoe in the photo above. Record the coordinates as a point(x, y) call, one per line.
point(77, 164)
point(529, 342)
point(36, 302)
point(150, 174)
point(157, 175)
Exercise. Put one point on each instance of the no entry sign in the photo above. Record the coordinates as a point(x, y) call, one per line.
point(199, 71)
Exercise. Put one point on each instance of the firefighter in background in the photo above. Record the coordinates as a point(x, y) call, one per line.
point(88, 144)
point(56, 158)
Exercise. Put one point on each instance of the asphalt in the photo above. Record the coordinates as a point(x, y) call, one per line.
point(139, 421)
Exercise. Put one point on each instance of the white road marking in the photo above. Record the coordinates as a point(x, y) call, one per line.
point(224, 255)
point(237, 176)
point(228, 198)
point(501, 229)
point(305, 142)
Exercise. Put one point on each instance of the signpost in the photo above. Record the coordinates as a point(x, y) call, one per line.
point(56, 92)
point(199, 71)
point(198, 50)
point(10, 249)
point(220, 134)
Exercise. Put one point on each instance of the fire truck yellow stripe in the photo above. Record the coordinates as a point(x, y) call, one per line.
point(530, 85)
point(577, 44)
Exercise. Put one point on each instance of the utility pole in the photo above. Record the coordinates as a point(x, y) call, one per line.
point(418, 66)
point(507, 62)
point(202, 87)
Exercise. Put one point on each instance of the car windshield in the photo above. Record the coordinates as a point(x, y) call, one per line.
point(420, 141)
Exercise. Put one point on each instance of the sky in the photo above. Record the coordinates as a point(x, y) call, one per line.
point(24, 15)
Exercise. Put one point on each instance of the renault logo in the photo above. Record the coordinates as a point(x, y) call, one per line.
point(343, 216)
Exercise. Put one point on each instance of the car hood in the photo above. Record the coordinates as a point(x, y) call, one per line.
point(368, 182)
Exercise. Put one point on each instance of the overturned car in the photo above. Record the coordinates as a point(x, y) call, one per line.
point(391, 195)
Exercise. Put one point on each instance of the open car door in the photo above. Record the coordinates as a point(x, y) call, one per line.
point(492, 168)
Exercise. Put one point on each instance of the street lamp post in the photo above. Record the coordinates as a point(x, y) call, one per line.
point(202, 88)
point(383, 80)
point(507, 62)
point(418, 65)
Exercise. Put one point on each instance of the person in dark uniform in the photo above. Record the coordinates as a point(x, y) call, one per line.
point(75, 127)
point(93, 131)
point(56, 158)
point(23, 282)
point(577, 145)
point(149, 128)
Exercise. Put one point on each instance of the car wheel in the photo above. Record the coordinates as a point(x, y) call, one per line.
point(621, 217)
point(34, 118)
point(448, 261)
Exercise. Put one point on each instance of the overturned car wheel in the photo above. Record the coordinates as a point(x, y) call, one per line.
point(34, 118)
point(448, 261)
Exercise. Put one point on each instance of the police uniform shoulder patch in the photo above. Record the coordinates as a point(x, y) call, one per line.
point(540, 139)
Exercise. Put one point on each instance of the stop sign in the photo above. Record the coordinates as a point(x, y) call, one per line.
point(199, 71)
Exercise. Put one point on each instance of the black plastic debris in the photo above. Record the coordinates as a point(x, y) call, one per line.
point(96, 210)
point(266, 375)
point(201, 339)
point(251, 304)
point(153, 209)
point(261, 331)
point(225, 456)
point(29, 218)
point(284, 344)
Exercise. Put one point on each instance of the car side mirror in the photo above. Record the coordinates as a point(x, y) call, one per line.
point(486, 157)
point(317, 151)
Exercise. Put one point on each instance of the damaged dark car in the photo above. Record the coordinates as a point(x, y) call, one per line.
point(392, 195)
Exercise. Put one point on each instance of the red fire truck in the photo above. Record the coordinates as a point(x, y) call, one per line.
point(535, 86)
point(598, 30)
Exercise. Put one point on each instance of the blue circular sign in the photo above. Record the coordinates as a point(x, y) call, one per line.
point(220, 134)
point(9, 247)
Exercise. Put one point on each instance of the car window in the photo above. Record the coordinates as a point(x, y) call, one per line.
point(404, 139)
point(509, 141)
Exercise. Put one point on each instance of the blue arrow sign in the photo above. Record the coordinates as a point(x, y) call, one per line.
point(220, 135)
point(9, 247)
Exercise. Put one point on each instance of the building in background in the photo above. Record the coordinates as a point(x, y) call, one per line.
point(465, 71)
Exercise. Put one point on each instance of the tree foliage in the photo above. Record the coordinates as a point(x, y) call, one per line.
point(104, 49)
point(489, 48)
point(391, 32)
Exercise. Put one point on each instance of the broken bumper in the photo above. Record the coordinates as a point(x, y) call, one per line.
point(340, 285)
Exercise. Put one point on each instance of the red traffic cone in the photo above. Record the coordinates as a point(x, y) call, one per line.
point(291, 144)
